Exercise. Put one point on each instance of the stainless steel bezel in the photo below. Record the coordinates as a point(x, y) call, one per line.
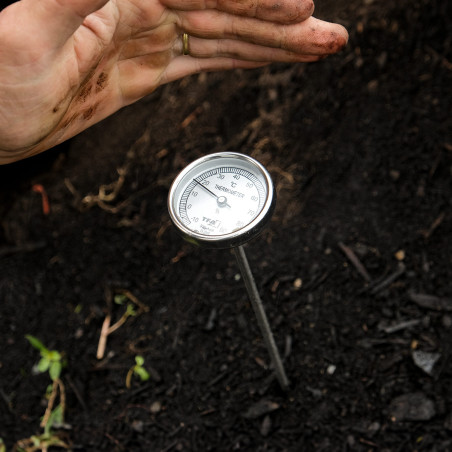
point(235, 238)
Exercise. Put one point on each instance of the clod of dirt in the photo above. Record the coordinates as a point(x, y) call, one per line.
point(415, 406)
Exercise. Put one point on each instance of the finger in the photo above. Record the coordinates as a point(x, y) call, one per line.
point(54, 21)
point(184, 65)
point(311, 37)
point(239, 50)
point(283, 11)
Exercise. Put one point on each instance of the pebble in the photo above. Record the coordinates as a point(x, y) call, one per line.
point(156, 407)
point(414, 406)
point(425, 360)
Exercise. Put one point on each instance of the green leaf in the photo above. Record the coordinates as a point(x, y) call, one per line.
point(131, 310)
point(120, 299)
point(43, 365)
point(36, 343)
point(142, 373)
point(139, 360)
point(55, 370)
point(54, 356)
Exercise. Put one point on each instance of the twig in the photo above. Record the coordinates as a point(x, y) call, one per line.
point(191, 117)
point(57, 384)
point(353, 258)
point(25, 248)
point(119, 323)
point(103, 338)
point(428, 232)
point(133, 299)
point(389, 280)
point(431, 301)
point(400, 326)
point(129, 378)
point(107, 329)
point(38, 188)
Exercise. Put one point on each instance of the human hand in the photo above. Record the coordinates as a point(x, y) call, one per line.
point(67, 64)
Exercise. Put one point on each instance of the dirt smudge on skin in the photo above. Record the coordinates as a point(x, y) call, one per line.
point(84, 93)
point(89, 112)
point(101, 82)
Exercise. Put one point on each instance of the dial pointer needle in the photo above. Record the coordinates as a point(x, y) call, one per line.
point(212, 193)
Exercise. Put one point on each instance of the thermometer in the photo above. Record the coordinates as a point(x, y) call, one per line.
point(223, 200)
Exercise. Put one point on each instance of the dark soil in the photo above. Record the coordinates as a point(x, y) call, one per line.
point(360, 148)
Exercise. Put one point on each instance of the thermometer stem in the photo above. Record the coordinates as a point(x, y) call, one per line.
point(262, 320)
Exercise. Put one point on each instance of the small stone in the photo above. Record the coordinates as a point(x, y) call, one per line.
point(156, 407)
point(331, 369)
point(425, 360)
point(298, 283)
point(373, 428)
point(446, 321)
point(414, 406)
point(372, 86)
point(400, 255)
point(78, 333)
point(138, 426)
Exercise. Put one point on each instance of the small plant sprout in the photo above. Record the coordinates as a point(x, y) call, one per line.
point(137, 370)
point(51, 360)
point(131, 311)
point(47, 439)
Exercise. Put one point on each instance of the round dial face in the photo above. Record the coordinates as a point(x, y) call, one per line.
point(221, 200)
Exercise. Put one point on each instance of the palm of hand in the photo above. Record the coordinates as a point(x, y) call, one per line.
point(107, 63)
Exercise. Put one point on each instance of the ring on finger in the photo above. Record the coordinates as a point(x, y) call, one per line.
point(185, 45)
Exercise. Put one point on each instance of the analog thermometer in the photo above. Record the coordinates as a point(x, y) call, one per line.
point(223, 200)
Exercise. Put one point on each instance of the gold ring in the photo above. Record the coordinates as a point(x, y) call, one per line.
point(185, 49)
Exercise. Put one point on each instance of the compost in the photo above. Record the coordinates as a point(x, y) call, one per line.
point(354, 269)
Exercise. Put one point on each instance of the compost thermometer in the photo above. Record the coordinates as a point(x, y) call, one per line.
point(223, 200)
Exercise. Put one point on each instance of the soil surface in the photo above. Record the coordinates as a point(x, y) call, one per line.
point(354, 268)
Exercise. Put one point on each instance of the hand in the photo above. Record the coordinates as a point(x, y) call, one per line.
point(67, 64)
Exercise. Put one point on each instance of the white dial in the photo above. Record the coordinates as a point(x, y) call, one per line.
point(221, 200)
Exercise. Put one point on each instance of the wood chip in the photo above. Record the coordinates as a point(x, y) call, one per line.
point(353, 258)
point(431, 301)
point(260, 409)
point(389, 280)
